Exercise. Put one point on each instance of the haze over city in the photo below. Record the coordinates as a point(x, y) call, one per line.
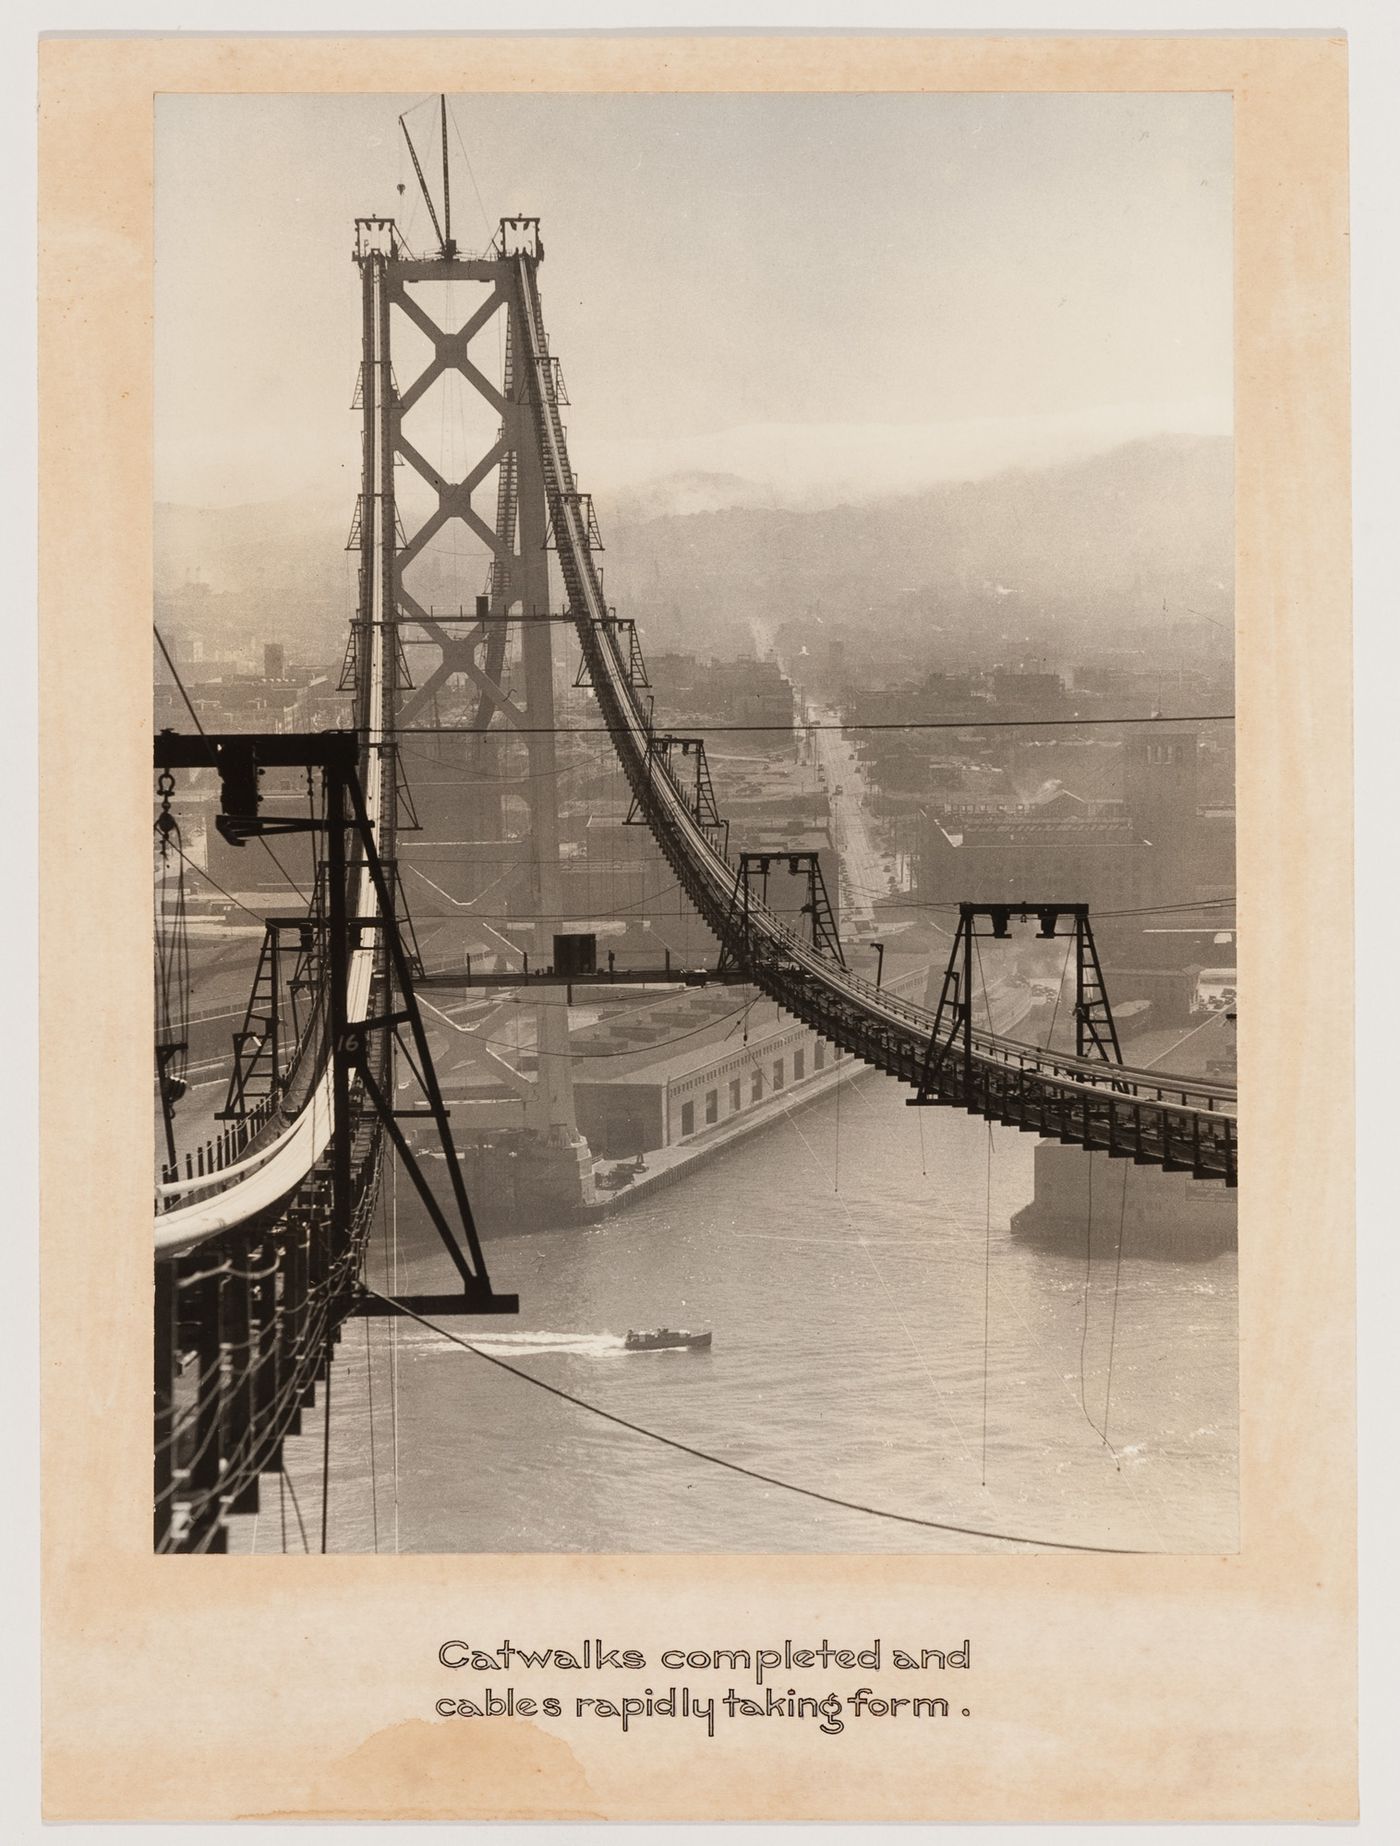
point(789, 301)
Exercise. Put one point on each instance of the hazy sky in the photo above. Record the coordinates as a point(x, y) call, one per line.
point(822, 293)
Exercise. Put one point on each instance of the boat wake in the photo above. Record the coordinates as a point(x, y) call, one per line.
point(532, 1345)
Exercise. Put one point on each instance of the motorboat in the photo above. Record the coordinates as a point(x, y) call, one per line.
point(660, 1338)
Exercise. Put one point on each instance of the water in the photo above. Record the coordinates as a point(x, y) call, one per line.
point(866, 1346)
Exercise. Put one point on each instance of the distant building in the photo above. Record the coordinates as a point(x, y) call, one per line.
point(731, 693)
point(1124, 828)
point(1028, 694)
point(994, 857)
point(667, 1096)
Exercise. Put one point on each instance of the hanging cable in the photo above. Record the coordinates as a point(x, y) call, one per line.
point(326, 1439)
point(836, 1137)
point(987, 1308)
point(987, 1260)
point(394, 1330)
point(172, 968)
point(1088, 1278)
point(189, 706)
point(296, 1508)
point(790, 1117)
point(1101, 1433)
point(1059, 989)
point(1113, 1323)
point(753, 1474)
point(373, 1468)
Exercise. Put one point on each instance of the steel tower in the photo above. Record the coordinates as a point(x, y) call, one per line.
point(468, 651)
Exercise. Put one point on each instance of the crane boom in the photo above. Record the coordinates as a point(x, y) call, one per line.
point(422, 183)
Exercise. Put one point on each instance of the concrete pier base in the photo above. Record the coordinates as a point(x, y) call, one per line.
point(1167, 1215)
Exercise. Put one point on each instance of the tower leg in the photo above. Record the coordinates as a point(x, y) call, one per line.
point(552, 1111)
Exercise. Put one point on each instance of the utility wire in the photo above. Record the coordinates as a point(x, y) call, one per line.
point(885, 901)
point(471, 175)
point(469, 781)
point(209, 876)
point(1210, 1020)
point(625, 1051)
point(753, 1474)
point(189, 706)
point(909, 724)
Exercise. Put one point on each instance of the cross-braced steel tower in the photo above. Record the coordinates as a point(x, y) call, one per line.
point(471, 650)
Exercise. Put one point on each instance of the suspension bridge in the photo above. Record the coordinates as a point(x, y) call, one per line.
point(260, 1234)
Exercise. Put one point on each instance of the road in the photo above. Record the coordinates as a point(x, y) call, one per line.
point(865, 871)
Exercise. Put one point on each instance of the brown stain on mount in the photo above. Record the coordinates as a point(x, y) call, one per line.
point(450, 1769)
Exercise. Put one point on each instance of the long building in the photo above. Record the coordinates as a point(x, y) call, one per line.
point(748, 1062)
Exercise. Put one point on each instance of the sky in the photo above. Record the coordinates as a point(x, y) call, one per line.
point(828, 297)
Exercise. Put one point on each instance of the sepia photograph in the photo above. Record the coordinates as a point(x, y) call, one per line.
point(694, 823)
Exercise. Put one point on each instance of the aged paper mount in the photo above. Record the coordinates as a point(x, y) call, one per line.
point(1154, 1688)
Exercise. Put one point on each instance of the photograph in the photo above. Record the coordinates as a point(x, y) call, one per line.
point(693, 822)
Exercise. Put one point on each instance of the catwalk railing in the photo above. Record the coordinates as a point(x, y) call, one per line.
point(246, 1326)
point(255, 1268)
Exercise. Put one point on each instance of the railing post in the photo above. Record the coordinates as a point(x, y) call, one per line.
point(967, 1008)
point(253, 1402)
point(206, 1530)
point(295, 1283)
point(237, 1393)
point(318, 1293)
point(267, 1387)
point(167, 1346)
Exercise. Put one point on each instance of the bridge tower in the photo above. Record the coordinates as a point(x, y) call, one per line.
point(472, 672)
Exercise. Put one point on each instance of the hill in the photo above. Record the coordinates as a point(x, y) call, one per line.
point(1108, 539)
